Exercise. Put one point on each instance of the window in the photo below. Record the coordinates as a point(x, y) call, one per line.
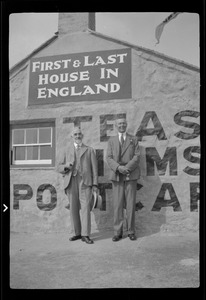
point(32, 144)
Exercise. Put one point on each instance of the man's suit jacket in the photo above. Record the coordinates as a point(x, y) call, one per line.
point(88, 165)
point(129, 156)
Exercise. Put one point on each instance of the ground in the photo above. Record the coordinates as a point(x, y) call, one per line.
point(51, 261)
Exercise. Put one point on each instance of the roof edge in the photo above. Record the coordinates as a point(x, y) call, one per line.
point(127, 44)
point(148, 51)
point(42, 46)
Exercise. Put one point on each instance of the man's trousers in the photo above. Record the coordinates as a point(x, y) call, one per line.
point(80, 197)
point(124, 194)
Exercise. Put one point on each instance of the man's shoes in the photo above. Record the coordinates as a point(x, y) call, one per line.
point(75, 237)
point(116, 238)
point(132, 237)
point(87, 240)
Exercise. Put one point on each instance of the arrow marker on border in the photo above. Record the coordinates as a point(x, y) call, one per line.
point(5, 208)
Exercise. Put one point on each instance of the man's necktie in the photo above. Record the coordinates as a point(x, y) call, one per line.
point(77, 160)
point(121, 140)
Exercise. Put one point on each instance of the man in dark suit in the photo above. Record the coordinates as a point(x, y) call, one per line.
point(78, 165)
point(123, 156)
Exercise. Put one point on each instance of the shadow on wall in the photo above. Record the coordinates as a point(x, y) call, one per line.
point(149, 218)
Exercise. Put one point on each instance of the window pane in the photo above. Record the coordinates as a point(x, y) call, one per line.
point(19, 153)
point(31, 136)
point(44, 135)
point(32, 153)
point(45, 152)
point(18, 136)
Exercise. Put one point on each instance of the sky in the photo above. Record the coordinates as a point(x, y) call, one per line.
point(180, 37)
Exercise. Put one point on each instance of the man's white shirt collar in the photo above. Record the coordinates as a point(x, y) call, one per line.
point(120, 134)
point(76, 145)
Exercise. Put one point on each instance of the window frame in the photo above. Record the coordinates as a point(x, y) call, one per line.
point(26, 124)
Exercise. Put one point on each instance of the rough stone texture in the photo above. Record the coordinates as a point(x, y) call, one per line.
point(160, 89)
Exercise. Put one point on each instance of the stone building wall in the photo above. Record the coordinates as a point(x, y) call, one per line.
point(163, 112)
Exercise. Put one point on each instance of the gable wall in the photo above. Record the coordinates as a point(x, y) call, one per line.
point(163, 111)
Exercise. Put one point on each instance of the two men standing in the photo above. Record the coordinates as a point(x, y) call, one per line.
point(78, 165)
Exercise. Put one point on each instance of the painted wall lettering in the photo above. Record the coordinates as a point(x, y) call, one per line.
point(39, 198)
point(162, 202)
point(25, 192)
point(188, 156)
point(87, 76)
point(153, 158)
point(77, 120)
point(194, 126)
point(165, 164)
point(194, 195)
point(21, 192)
point(157, 130)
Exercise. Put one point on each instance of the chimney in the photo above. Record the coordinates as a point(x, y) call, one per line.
point(74, 22)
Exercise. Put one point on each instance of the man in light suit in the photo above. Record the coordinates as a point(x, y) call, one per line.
point(123, 156)
point(78, 165)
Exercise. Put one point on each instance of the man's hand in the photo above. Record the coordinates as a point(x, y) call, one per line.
point(67, 168)
point(123, 170)
point(94, 188)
